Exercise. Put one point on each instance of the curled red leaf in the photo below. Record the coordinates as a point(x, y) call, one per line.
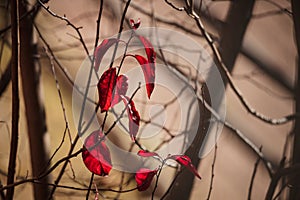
point(135, 25)
point(144, 153)
point(96, 155)
point(144, 177)
point(105, 88)
point(102, 49)
point(134, 117)
point(149, 73)
point(120, 90)
point(186, 161)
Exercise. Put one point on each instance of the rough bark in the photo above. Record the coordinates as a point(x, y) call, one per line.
point(35, 115)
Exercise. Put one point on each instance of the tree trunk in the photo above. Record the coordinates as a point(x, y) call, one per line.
point(35, 114)
point(295, 180)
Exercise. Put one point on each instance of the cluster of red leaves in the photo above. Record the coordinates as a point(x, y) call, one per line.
point(112, 89)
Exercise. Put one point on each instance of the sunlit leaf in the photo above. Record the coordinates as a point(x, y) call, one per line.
point(149, 73)
point(144, 177)
point(96, 156)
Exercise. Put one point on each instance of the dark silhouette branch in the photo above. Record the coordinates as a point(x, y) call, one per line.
point(253, 177)
point(15, 63)
point(35, 112)
point(5, 78)
point(295, 183)
point(288, 171)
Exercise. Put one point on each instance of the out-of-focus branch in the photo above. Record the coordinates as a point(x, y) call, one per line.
point(237, 21)
point(5, 78)
point(237, 132)
point(222, 67)
point(35, 112)
point(15, 63)
point(288, 171)
point(184, 182)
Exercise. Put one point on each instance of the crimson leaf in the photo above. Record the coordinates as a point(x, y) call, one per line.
point(186, 161)
point(144, 153)
point(105, 88)
point(96, 156)
point(102, 49)
point(149, 73)
point(135, 25)
point(120, 90)
point(134, 117)
point(151, 55)
point(143, 178)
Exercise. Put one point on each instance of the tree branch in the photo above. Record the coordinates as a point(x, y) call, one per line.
point(15, 97)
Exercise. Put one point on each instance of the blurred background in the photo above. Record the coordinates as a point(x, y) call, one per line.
point(256, 40)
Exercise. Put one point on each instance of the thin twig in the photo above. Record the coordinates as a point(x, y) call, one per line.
point(213, 170)
point(44, 174)
point(253, 176)
point(90, 186)
point(225, 71)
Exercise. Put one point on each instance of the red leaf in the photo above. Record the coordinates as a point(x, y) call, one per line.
point(105, 88)
point(149, 73)
point(102, 49)
point(147, 153)
point(120, 90)
point(144, 177)
point(96, 156)
point(186, 161)
point(135, 25)
point(134, 117)
point(151, 55)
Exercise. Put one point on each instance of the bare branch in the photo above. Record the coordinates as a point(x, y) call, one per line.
point(253, 177)
point(15, 97)
point(236, 90)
